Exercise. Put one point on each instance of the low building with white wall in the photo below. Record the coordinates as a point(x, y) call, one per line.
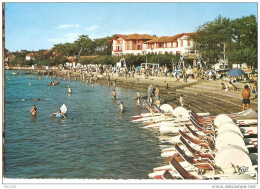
point(130, 44)
point(145, 44)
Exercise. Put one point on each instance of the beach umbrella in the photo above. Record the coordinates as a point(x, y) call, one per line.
point(211, 72)
point(138, 68)
point(235, 72)
point(175, 72)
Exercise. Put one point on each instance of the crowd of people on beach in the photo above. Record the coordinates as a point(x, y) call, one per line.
point(89, 75)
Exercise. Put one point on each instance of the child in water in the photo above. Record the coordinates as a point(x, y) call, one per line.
point(114, 93)
point(33, 110)
point(138, 100)
point(121, 107)
point(58, 114)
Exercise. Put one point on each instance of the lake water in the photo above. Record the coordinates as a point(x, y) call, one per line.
point(95, 141)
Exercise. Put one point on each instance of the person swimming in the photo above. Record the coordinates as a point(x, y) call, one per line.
point(69, 90)
point(33, 110)
point(58, 114)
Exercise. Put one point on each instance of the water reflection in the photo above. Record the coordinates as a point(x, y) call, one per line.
point(33, 118)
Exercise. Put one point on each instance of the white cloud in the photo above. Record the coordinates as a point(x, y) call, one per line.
point(91, 28)
point(67, 38)
point(63, 26)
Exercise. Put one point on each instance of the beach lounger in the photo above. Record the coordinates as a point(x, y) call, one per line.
point(181, 171)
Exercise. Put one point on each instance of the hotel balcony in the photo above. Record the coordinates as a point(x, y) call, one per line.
point(120, 50)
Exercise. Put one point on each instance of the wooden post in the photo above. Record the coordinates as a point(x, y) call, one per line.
point(3, 78)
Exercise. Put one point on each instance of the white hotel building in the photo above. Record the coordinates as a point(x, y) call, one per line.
point(145, 44)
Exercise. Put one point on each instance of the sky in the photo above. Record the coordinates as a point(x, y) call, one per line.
point(33, 26)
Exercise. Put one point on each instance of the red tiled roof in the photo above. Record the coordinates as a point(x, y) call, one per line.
point(175, 37)
point(135, 37)
point(159, 40)
point(167, 39)
point(46, 52)
point(31, 54)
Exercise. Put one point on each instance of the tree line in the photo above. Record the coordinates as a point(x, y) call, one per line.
point(222, 38)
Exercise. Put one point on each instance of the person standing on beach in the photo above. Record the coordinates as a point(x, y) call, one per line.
point(181, 100)
point(166, 85)
point(177, 78)
point(157, 92)
point(149, 93)
point(108, 80)
point(158, 102)
point(246, 100)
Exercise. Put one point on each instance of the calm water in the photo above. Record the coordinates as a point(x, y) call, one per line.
point(94, 142)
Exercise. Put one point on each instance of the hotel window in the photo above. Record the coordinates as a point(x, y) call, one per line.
point(169, 44)
point(139, 47)
point(174, 44)
point(181, 42)
point(129, 46)
point(160, 45)
point(118, 48)
point(188, 42)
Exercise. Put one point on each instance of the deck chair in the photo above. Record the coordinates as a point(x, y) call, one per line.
point(209, 136)
point(202, 143)
point(203, 163)
point(201, 127)
point(195, 115)
point(181, 171)
point(197, 154)
point(201, 123)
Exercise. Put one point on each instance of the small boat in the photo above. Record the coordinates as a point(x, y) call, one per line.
point(14, 73)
